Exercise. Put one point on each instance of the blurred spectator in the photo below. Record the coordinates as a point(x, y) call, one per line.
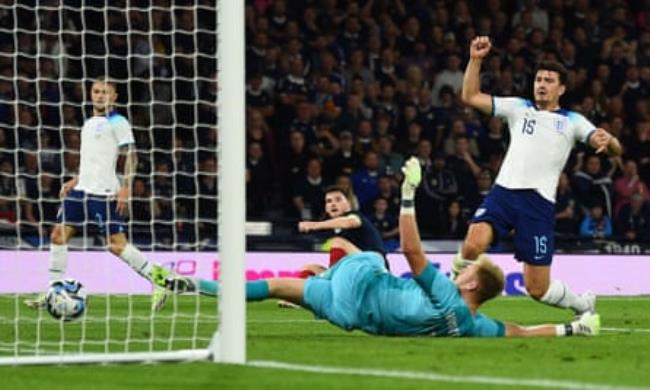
point(386, 224)
point(628, 184)
point(208, 191)
point(484, 184)
point(592, 185)
point(346, 160)
point(257, 97)
point(451, 76)
point(458, 129)
point(259, 178)
point(495, 141)
point(7, 192)
point(465, 168)
point(633, 221)
point(638, 147)
point(365, 181)
point(309, 192)
point(390, 162)
point(354, 112)
point(454, 224)
point(140, 212)
point(407, 146)
point(304, 122)
point(388, 189)
point(326, 143)
point(596, 224)
point(565, 208)
point(439, 186)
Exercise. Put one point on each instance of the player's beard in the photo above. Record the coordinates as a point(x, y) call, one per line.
point(100, 109)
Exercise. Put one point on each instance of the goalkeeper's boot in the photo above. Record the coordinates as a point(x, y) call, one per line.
point(159, 295)
point(159, 298)
point(180, 284)
point(170, 281)
point(587, 325)
point(39, 303)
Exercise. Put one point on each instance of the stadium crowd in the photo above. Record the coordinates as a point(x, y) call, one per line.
point(337, 92)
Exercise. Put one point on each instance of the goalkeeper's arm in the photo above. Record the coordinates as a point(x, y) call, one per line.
point(408, 229)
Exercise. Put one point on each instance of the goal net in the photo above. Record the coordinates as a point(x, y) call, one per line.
point(162, 56)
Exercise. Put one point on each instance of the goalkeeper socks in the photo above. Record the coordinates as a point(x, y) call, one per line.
point(255, 291)
point(58, 261)
point(207, 287)
point(559, 295)
point(136, 260)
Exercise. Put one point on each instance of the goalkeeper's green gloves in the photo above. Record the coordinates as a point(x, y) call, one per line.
point(412, 176)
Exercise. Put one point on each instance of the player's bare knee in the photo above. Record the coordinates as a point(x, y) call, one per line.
point(56, 237)
point(536, 292)
point(116, 247)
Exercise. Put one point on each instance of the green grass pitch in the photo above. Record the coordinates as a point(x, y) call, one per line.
point(320, 356)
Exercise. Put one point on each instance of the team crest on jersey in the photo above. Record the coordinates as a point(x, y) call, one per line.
point(560, 124)
point(479, 212)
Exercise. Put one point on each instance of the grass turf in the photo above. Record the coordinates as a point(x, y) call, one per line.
point(293, 336)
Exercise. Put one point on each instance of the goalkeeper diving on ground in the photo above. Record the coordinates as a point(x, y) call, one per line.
point(359, 293)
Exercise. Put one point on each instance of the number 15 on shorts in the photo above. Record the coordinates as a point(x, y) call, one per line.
point(540, 246)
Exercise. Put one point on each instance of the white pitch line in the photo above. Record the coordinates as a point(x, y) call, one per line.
point(626, 330)
point(285, 321)
point(433, 377)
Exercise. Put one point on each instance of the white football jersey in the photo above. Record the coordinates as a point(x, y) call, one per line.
point(101, 138)
point(540, 144)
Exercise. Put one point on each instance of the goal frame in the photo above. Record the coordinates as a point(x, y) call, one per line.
point(228, 343)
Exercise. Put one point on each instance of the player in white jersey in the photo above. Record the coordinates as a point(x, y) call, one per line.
point(96, 194)
point(542, 135)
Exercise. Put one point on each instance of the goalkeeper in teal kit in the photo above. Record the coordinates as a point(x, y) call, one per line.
point(359, 293)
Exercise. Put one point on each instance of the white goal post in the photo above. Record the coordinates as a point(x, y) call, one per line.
point(164, 56)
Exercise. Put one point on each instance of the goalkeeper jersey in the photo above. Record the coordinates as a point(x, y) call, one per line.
point(101, 138)
point(358, 293)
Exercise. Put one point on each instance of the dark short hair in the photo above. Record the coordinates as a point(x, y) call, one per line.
point(337, 188)
point(553, 66)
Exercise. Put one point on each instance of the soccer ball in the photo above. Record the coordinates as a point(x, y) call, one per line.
point(66, 299)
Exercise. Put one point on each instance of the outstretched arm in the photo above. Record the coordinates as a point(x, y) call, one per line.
point(408, 228)
point(472, 95)
point(587, 325)
point(347, 222)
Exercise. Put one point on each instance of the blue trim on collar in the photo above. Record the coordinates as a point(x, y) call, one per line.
point(559, 111)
